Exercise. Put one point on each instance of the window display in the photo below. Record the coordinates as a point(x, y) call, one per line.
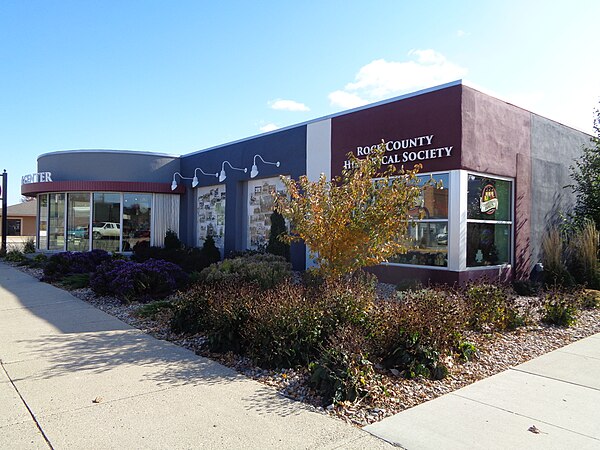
point(489, 221)
point(429, 233)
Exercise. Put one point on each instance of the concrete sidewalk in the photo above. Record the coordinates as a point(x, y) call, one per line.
point(58, 354)
point(557, 393)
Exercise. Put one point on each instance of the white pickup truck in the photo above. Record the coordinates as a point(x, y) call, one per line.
point(105, 230)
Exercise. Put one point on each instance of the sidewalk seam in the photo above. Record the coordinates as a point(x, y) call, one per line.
point(561, 350)
point(554, 379)
point(27, 406)
point(524, 415)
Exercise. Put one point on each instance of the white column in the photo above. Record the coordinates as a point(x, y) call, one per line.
point(457, 221)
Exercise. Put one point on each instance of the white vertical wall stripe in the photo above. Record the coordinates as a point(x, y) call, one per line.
point(318, 156)
point(318, 149)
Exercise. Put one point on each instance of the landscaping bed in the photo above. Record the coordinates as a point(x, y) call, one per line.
point(388, 391)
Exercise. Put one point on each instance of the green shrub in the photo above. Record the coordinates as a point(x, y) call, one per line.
point(189, 259)
point(76, 281)
point(346, 301)
point(409, 284)
point(153, 310)
point(413, 357)
point(190, 311)
point(172, 241)
point(29, 246)
point(526, 287)
point(589, 298)
point(38, 261)
point(492, 305)
point(278, 327)
point(559, 308)
point(276, 246)
point(210, 251)
point(264, 269)
point(343, 372)
point(467, 351)
point(15, 256)
point(284, 327)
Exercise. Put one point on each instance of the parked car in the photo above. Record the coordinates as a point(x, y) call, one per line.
point(78, 233)
point(105, 230)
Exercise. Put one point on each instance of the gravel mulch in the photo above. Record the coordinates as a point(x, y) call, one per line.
point(497, 352)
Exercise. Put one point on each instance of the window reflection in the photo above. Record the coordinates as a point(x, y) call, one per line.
point(429, 233)
point(429, 245)
point(56, 224)
point(78, 222)
point(106, 231)
point(43, 222)
point(136, 220)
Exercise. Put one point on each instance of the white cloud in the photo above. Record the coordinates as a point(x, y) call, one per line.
point(346, 99)
point(288, 105)
point(383, 79)
point(269, 127)
point(462, 33)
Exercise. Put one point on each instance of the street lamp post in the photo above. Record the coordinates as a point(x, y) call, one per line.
point(4, 212)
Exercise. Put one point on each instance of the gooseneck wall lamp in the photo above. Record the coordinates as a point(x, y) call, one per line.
point(254, 170)
point(223, 175)
point(195, 179)
point(174, 183)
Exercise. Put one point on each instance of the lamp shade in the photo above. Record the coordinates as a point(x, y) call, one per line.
point(194, 181)
point(254, 171)
point(174, 184)
point(222, 175)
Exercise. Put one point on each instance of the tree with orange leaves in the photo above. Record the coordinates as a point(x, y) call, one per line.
point(358, 219)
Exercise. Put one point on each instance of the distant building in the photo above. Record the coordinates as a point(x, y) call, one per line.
point(502, 171)
point(21, 219)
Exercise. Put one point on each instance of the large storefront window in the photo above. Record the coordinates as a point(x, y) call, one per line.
point(43, 222)
point(210, 219)
point(56, 223)
point(136, 219)
point(429, 232)
point(78, 222)
point(489, 221)
point(104, 211)
point(106, 223)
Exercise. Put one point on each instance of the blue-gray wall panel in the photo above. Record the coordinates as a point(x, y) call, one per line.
point(287, 146)
point(105, 165)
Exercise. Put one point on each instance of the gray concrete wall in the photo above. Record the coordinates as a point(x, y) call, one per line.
point(109, 165)
point(554, 148)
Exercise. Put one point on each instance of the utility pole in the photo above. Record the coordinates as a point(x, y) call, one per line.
point(4, 212)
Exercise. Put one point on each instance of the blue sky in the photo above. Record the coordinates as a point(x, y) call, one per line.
point(180, 76)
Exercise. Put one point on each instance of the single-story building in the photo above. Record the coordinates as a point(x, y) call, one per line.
point(21, 223)
point(21, 219)
point(502, 171)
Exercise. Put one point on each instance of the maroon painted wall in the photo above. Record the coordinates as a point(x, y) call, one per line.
point(434, 113)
